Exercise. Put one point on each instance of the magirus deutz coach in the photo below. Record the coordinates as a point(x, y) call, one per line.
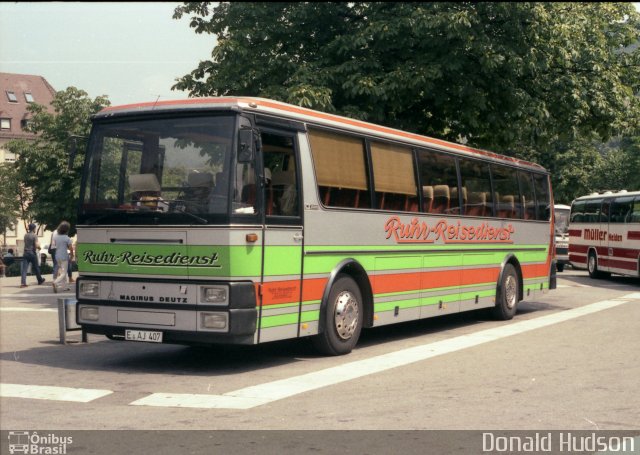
point(604, 233)
point(245, 220)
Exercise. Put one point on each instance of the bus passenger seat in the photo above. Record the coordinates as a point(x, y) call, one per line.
point(427, 197)
point(506, 207)
point(441, 198)
point(529, 209)
point(455, 208)
point(476, 204)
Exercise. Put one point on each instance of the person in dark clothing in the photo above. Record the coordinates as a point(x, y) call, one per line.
point(31, 244)
point(9, 258)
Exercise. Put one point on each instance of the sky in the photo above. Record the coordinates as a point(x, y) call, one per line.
point(131, 52)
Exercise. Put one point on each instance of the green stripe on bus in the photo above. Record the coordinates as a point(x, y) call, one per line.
point(431, 300)
point(398, 261)
point(177, 260)
point(288, 319)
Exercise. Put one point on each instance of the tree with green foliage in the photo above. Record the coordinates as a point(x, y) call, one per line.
point(10, 207)
point(47, 182)
point(531, 79)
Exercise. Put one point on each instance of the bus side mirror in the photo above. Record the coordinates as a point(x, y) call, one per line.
point(246, 146)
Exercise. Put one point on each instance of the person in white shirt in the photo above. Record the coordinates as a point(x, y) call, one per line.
point(64, 254)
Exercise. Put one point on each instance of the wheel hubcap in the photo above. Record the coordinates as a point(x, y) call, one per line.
point(510, 291)
point(346, 316)
point(592, 263)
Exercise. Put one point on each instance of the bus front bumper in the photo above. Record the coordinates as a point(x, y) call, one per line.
point(171, 312)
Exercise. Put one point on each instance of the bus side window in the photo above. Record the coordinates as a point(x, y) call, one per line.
point(577, 212)
point(439, 171)
point(507, 192)
point(592, 211)
point(476, 183)
point(634, 214)
point(543, 201)
point(341, 172)
point(620, 209)
point(394, 177)
point(281, 194)
point(527, 195)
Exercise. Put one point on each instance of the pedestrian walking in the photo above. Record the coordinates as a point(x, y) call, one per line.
point(31, 245)
point(64, 254)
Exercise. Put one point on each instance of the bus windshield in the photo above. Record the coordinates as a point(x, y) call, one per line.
point(161, 171)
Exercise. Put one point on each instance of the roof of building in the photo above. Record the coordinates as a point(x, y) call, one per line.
point(17, 91)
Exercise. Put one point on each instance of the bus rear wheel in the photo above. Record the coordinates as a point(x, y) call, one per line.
point(507, 294)
point(343, 318)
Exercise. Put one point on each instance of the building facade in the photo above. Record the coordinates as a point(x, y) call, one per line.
point(17, 92)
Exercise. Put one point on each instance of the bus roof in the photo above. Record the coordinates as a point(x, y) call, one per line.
point(302, 114)
point(608, 194)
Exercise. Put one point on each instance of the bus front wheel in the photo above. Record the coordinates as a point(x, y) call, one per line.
point(507, 294)
point(592, 266)
point(343, 318)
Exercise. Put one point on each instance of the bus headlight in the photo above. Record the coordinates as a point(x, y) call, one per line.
point(89, 289)
point(89, 313)
point(215, 295)
point(214, 321)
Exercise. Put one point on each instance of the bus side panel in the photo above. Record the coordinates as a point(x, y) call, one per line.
point(397, 287)
point(421, 279)
point(624, 248)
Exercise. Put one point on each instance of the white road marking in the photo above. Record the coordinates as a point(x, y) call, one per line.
point(39, 392)
point(20, 296)
point(258, 395)
point(23, 309)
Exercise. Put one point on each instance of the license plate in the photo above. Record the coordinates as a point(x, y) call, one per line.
point(143, 335)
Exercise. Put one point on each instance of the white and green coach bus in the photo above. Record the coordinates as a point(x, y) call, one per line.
point(245, 220)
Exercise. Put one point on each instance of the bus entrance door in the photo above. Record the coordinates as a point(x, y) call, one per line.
point(280, 309)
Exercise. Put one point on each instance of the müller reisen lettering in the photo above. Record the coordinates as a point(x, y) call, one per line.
point(417, 231)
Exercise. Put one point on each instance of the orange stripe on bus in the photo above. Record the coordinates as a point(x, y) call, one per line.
point(288, 291)
point(404, 282)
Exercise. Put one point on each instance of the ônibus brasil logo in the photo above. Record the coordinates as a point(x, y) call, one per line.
point(34, 443)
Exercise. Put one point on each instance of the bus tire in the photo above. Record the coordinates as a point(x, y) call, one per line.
point(507, 294)
point(560, 267)
point(592, 266)
point(343, 318)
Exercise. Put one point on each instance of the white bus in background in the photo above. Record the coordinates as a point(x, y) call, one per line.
point(561, 226)
point(604, 233)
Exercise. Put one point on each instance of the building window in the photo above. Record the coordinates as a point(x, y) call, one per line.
point(29, 97)
point(12, 96)
point(5, 124)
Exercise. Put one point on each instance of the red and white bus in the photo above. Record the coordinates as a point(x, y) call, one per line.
point(604, 233)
